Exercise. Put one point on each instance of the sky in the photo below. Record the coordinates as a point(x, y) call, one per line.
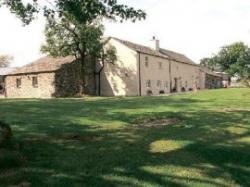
point(196, 28)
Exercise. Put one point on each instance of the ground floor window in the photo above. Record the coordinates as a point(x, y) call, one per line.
point(34, 82)
point(148, 83)
point(18, 83)
point(166, 84)
point(159, 84)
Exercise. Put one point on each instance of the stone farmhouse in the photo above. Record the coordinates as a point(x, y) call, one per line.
point(139, 71)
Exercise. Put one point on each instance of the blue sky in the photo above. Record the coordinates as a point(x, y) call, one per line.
point(196, 28)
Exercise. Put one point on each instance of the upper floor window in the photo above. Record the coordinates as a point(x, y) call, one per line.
point(18, 83)
point(34, 82)
point(148, 83)
point(146, 61)
point(160, 65)
point(159, 84)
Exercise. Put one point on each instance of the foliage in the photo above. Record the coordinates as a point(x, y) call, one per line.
point(98, 142)
point(24, 11)
point(210, 63)
point(81, 11)
point(233, 59)
point(5, 60)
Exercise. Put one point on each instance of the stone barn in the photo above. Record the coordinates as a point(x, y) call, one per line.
point(45, 78)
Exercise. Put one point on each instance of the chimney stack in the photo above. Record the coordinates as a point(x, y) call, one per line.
point(155, 44)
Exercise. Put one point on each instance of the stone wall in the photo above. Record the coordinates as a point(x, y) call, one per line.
point(155, 77)
point(65, 82)
point(44, 89)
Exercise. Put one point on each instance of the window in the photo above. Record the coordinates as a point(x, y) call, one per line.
point(160, 65)
point(166, 84)
point(34, 82)
point(18, 82)
point(148, 83)
point(146, 61)
point(159, 84)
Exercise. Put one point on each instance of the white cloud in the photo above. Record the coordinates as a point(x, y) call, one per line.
point(197, 28)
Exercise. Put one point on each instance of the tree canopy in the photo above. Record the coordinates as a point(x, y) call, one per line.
point(233, 59)
point(82, 11)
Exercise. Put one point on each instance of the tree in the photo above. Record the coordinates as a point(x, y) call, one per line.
point(75, 29)
point(63, 38)
point(5, 60)
point(210, 63)
point(233, 59)
point(82, 11)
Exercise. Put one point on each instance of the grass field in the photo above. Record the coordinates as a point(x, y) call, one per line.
point(110, 142)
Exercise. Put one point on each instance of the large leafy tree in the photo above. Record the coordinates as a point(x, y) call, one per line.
point(233, 59)
point(5, 60)
point(83, 11)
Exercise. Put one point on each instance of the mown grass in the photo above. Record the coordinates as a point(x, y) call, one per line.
point(94, 142)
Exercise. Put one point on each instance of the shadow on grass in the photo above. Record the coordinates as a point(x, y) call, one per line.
point(205, 147)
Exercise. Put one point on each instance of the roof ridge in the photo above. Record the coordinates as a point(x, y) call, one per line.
point(176, 56)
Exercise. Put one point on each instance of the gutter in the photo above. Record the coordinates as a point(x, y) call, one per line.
point(140, 92)
point(99, 76)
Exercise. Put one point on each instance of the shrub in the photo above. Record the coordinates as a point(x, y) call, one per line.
point(149, 92)
point(161, 92)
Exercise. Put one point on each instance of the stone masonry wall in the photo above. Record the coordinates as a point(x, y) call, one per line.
point(45, 88)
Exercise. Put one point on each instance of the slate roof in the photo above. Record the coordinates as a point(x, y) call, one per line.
point(51, 64)
point(164, 53)
point(44, 64)
point(210, 72)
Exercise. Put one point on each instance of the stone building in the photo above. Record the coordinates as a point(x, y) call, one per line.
point(138, 71)
point(147, 70)
point(210, 79)
point(46, 77)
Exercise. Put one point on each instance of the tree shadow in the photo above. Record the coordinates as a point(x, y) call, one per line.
point(213, 144)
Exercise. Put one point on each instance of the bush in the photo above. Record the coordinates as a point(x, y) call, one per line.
point(149, 93)
point(161, 92)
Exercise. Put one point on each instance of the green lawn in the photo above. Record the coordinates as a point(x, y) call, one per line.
point(103, 141)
